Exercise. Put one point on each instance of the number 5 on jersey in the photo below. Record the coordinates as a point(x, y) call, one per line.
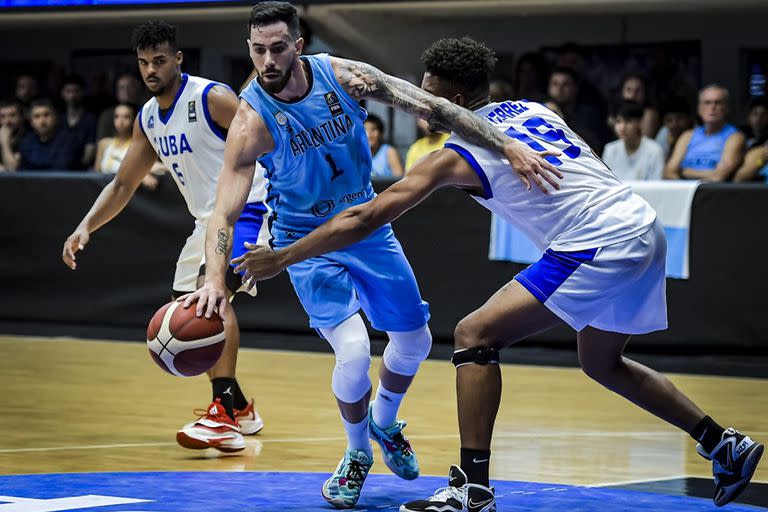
point(178, 173)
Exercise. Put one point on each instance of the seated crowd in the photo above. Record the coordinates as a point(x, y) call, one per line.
point(638, 137)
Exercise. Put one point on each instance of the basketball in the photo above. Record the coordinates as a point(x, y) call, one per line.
point(183, 344)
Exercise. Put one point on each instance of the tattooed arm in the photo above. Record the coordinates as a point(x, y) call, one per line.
point(247, 139)
point(362, 80)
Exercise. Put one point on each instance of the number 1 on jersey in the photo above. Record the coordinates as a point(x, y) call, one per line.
point(335, 170)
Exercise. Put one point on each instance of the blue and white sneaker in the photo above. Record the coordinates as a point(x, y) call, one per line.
point(397, 451)
point(342, 490)
point(734, 461)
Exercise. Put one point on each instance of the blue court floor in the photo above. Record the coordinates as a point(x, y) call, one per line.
point(272, 491)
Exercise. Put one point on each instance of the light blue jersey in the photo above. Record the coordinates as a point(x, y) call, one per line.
point(705, 151)
point(321, 164)
point(381, 167)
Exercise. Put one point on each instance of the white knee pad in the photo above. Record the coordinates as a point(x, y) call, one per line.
point(352, 347)
point(406, 350)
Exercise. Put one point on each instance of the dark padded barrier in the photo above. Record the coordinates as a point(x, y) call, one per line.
point(126, 271)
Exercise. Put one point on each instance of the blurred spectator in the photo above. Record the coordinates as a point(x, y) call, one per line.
point(530, 81)
point(676, 119)
point(128, 90)
point(713, 150)
point(81, 124)
point(386, 161)
point(12, 129)
point(429, 142)
point(551, 105)
point(583, 118)
point(573, 56)
point(634, 156)
point(26, 91)
point(99, 91)
point(500, 90)
point(756, 129)
point(670, 75)
point(111, 150)
point(634, 88)
point(46, 146)
point(755, 165)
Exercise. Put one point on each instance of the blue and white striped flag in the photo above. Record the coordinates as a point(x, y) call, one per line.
point(671, 199)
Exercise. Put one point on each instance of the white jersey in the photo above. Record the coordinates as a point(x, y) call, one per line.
point(191, 145)
point(592, 208)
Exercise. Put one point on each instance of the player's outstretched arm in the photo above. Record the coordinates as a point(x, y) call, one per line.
point(362, 80)
point(137, 163)
point(439, 169)
point(247, 140)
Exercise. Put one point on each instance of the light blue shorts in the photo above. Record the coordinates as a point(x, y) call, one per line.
point(373, 274)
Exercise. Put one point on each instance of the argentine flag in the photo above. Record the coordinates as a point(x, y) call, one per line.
point(671, 199)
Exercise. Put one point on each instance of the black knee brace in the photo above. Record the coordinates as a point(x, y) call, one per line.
point(478, 355)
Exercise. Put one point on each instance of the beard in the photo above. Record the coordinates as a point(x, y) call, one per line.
point(275, 85)
point(156, 88)
point(159, 91)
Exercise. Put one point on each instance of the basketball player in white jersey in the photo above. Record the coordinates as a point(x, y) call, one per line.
point(602, 273)
point(185, 125)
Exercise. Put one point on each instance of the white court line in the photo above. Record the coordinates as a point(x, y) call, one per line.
point(503, 435)
point(303, 353)
point(663, 479)
point(83, 447)
point(641, 481)
point(143, 445)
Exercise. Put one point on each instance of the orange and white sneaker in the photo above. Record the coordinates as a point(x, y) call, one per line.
point(249, 420)
point(214, 429)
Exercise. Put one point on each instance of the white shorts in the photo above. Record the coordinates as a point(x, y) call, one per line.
point(250, 227)
point(618, 288)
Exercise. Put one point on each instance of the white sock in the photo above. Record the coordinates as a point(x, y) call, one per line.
point(385, 406)
point(357, 436)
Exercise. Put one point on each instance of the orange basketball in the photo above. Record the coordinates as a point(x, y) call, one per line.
point(183, 344)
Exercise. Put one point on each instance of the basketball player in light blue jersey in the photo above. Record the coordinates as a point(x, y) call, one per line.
point(602, 273)
point(184, 125)
point(301, 119)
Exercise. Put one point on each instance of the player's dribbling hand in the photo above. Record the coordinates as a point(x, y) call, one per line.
point(75, 242)
point(531, 165)
point(259, 263)
point(210, 298)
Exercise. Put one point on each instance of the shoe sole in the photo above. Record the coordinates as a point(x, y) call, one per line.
point(339, 505)
point(192, 443)
point(394, 471)
point(403, 508)
point(751, 462)
point(249, 431)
